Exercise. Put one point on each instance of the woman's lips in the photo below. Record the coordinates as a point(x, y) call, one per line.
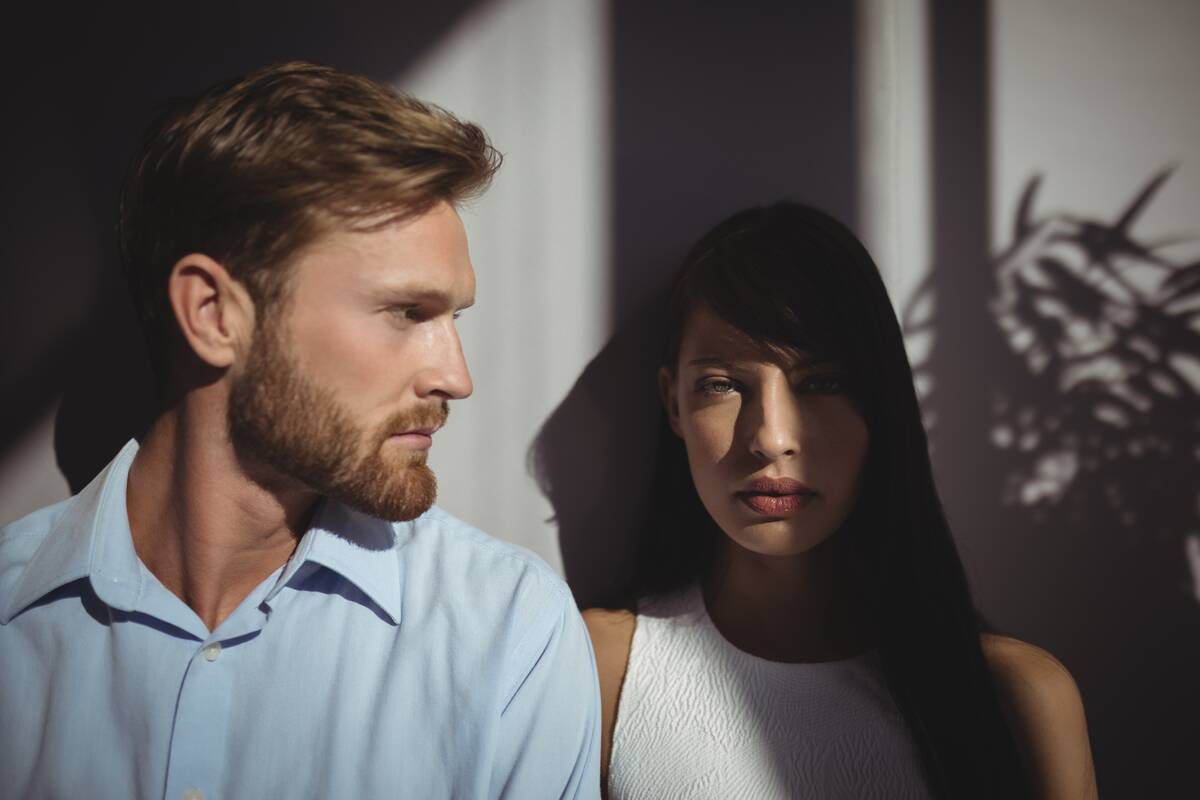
point(775, 505)
point(776, 497)
point(776, 486)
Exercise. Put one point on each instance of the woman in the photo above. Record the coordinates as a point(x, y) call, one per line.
point(803, 625)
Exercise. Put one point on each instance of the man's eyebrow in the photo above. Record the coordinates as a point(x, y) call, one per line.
point(422, 294)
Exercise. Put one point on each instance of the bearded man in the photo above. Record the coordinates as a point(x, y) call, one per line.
point(260, 599)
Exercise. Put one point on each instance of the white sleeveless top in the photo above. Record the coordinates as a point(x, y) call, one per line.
point(699, 718)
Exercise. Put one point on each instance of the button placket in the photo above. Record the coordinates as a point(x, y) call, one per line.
point(201, 722)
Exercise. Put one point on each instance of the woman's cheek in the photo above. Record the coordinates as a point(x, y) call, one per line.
point(713, 430)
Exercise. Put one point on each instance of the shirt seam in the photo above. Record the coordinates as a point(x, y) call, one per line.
point(542, 570)
point(528, 666)
point(35, 535)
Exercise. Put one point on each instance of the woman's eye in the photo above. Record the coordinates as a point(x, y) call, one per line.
point(827, 383)
point(716, 386)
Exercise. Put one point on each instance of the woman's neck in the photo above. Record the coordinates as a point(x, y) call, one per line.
point(801, 608)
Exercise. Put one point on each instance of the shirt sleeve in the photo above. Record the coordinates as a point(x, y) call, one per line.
point(549, 738)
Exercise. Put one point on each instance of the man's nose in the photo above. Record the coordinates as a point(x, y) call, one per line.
point(446, 373)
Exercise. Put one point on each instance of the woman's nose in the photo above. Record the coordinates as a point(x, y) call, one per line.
point(776, 433)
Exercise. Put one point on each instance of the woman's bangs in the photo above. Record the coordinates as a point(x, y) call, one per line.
point(774, 304)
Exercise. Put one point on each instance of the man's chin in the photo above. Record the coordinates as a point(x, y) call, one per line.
point(403, 458)
point(399, 500)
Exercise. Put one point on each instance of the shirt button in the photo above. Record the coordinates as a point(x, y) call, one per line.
point(210, 653)
point(193, 794)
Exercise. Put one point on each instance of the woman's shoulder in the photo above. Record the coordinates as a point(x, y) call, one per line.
point(612, 638)
point(612, 634)
point(612, 630)
point(608, 617)
point(1045, 711)
point(1030, 677)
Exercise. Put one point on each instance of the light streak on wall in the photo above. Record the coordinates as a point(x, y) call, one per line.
point(534, 74)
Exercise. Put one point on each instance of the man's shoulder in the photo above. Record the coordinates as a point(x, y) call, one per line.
point(459, 551)
point(458, 535)
point(36, 523)
point(506, 601)
point(20, 540)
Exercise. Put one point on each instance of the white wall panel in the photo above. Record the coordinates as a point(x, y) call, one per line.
point(533, 73)
point(1099, 95)
point(894, 130)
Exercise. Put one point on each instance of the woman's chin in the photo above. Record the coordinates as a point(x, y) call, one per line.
point(777, 538)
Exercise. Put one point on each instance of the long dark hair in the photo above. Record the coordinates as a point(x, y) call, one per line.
point(792, 276)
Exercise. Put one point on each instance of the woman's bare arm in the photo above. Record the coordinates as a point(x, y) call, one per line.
point(1045, 711)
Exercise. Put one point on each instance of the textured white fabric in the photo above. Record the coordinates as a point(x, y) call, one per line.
point(699, 718)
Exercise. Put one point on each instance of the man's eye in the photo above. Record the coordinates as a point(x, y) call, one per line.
point(715, 386)
point(408, 313)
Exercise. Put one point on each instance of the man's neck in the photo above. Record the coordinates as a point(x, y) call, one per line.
point(206, 529)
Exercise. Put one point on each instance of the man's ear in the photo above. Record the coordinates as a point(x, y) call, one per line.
point(668, 394)
point(215, 312)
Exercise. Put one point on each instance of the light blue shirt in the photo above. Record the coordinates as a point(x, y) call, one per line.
point(420, 659)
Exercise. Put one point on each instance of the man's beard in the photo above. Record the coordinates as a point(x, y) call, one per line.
point(278, 417)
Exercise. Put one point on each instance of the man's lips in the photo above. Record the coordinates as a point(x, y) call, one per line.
point(417, 439)
point(776, 497)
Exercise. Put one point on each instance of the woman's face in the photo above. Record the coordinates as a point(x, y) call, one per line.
point(774, 444)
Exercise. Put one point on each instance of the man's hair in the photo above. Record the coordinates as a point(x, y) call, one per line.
point(254, 169)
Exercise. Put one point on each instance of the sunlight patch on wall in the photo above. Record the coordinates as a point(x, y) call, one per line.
point(534, 74)
point(894, 142)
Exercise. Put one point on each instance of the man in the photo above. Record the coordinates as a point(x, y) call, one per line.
point(260, 601)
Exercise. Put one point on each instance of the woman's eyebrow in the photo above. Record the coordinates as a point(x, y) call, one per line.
point(709, 361)
point(801, 363)
point(809, 362)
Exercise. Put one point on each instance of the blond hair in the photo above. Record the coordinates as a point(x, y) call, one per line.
point(254, 169)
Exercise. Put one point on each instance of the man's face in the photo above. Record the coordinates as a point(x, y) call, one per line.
point(346, 381)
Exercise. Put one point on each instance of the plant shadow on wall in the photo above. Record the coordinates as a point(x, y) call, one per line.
point(1095, 420)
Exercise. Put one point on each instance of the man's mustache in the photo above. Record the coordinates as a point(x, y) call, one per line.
point(432, 415)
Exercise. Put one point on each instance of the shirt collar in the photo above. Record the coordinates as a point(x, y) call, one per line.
point(361, 548)
point(92, 539)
